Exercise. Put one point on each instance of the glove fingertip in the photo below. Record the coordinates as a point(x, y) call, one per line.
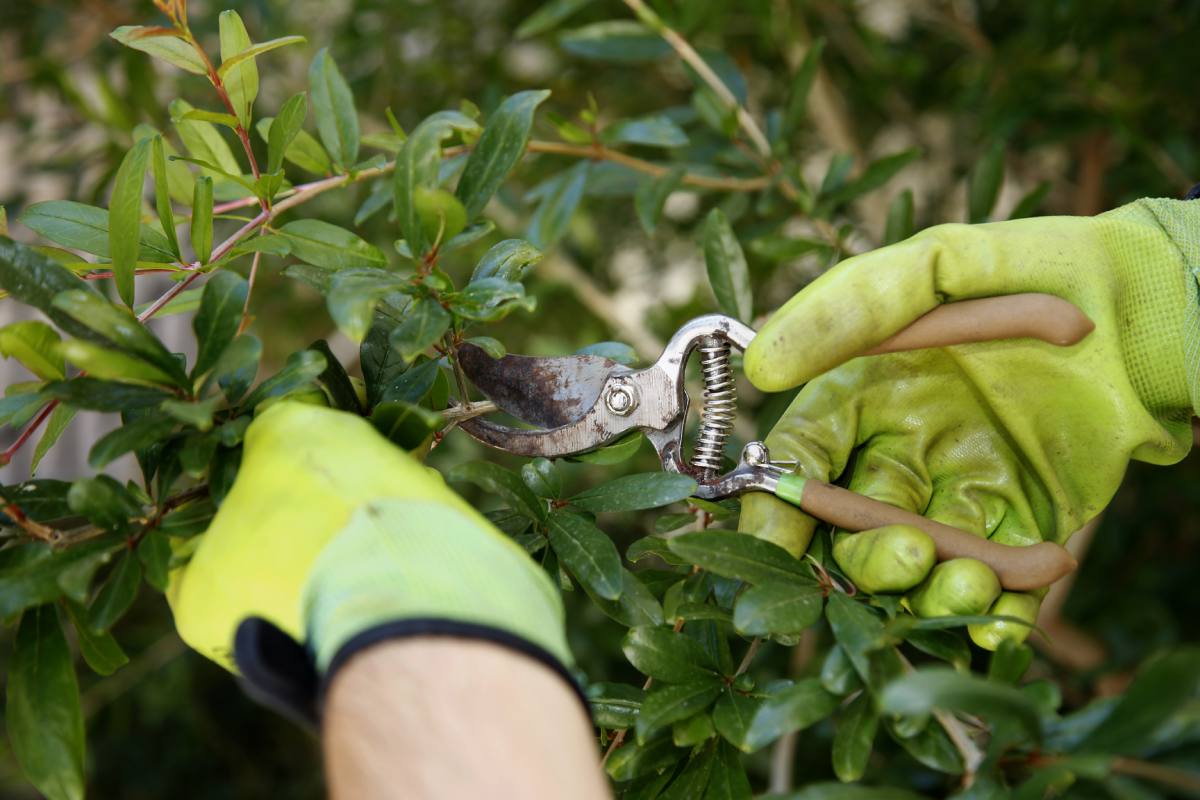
point(766, 517)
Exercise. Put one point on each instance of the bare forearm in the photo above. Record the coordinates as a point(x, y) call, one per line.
point(441, 717)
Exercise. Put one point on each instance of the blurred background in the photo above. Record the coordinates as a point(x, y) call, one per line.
point(1092, 103)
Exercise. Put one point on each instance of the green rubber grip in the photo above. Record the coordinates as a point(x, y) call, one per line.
point(791, 488)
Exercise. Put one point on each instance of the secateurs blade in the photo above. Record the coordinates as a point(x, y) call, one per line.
point(575, 404)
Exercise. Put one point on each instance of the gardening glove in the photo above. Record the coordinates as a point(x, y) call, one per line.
point(1019, 441)
point(333, 537)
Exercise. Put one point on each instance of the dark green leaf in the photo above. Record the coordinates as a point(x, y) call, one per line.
point(1009, 662)
point(355, 293)
point(657, 546)
point(136, 435)
point(667, 704)
point(422, 326)
point(636, 606)
point(325, 245)
point(635, 492)
point(777, 608)
point(301, 368)
point(406, 425)
point(785, 248)
point(733, 715)
point(787, 710)
point(542, 478)
point(657, 130)
point(667, 656)
point(216, 323)
point(99, 650)
point(36, 280)
point(920, 692)
point(162, 194)
point(728, 780)
point(692, 781)
point(856, 629)
point(162, 43)
point(838, 791)
point(154, 552)
point(188, 520)
point(856, 727)
point(304, 151)
point(202, 223)
point(105, 364)
point(741, 556)
point(614, 705)
point(412, 386)
point(336, 380)
point(104, 501)
point(876, 174)
point(237, 367)
point(949, 646)
point(728, 273)
point(333, 106)
point(283, 129)
point(652, 195)
point(490, 299)
point(510, 260)
point(85, 228)
point(548, 17)
point(622, 449)
point(33, 574)
point(622, 41)
point(633, 759)
point(899, 218)
point(417, 167)
point(43, 715)
point(498, 150)
point(119, 327)
point(587, 552)
point(117, 594)
point(508, 485)
point(60, 419)
point(98, 395)
point(802, 85)
point(557, 206)
point(124, 217)
point(983, 186)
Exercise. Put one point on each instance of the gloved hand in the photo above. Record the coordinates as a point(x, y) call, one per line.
point(1019, 441)
point(337, 539)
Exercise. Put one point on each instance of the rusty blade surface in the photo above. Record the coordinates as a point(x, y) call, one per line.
point(547, 392)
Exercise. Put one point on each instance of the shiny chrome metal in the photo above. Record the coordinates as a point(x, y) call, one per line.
point(719, 410)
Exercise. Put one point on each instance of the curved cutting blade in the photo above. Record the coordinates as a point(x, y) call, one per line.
point(547, 392)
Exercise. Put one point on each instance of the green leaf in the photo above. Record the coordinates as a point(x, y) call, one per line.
point(875, 175)
point(228, 65)
point(185, 302)
point(113, 365)
point(328, 246)
point(198, 414)
point(333, 106)
point(636, 606)
point(542, 478)
point(785, 248)
point(615, 351)
point(733, 715)
point(118, 327)
point(406, 425)
point(920, 692)
point(497, 480)
point(614, 705)
point(790, 709)
point(656, 546)
point(652, 195)
point(98, 395)
point(99, 650)
point(43, 714)
point(622, 449)
point(728, 780)
point(619, 41)
point(418, 166)
point(900, 218)
point(983, 185)
point(36, 345)
point(557, 206)
point(692, 731)
point(202, 218)
point(945, 645)
point(490, 299)
point(854, 738)
point(777, 608)
point(802, 85)
point(60, 419)
point(240, 77)
point(284, 128)
point(302, 368)
point(493, 347)
point(117, 594)
point(498, 150)
point(587, 552)
point(856, 629)
point(237, 367)
point(33, 574)
point(104, 501)
point(423, 324)
point(354, 294)
point(728, 273)
point(154, 552)
point(136, 435)
point(741, 556)
point(124, 217)
point(666, 656)
point(636, 492)
point(203, 141)
point(162, 43)
point(304, 151)
point(336, 381)
point(1028, 205)
point(188, 520)
point(837, 791)
point(216, 323)
point(1010, 661)
point(667, 704)
point(548, 17)
point(215, 117)
point(85, 228)
point(656, 130)
point(162, 194)
point(633, 759)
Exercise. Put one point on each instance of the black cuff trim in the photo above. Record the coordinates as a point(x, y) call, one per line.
point(407, 628)
point(1193, 193)
point(276, 671)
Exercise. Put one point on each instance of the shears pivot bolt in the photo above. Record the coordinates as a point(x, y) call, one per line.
point(621, 399)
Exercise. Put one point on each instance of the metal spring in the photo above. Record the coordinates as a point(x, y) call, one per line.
point(720, 404)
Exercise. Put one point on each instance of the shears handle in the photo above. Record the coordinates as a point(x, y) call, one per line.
point(1041, 316)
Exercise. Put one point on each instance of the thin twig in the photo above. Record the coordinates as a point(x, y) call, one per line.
point(245, 323)
point(457, 414)
point(971, 755)
point(35, 529)
point(751, 652)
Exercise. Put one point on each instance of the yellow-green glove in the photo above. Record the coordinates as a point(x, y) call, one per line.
point(333, 537)
point(1019, 441)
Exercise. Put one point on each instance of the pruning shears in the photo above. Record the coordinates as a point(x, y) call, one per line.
point(575, 404)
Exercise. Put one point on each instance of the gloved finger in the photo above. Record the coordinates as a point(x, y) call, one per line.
point(868, 298)
point(767, 517)
point(958, 587)
point(1020, 605)
point(997, 507)
point(893, 558)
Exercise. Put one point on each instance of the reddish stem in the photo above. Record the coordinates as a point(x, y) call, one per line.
point(30, 429)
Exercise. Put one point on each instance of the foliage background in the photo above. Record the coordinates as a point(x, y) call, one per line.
point(1097, 99)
